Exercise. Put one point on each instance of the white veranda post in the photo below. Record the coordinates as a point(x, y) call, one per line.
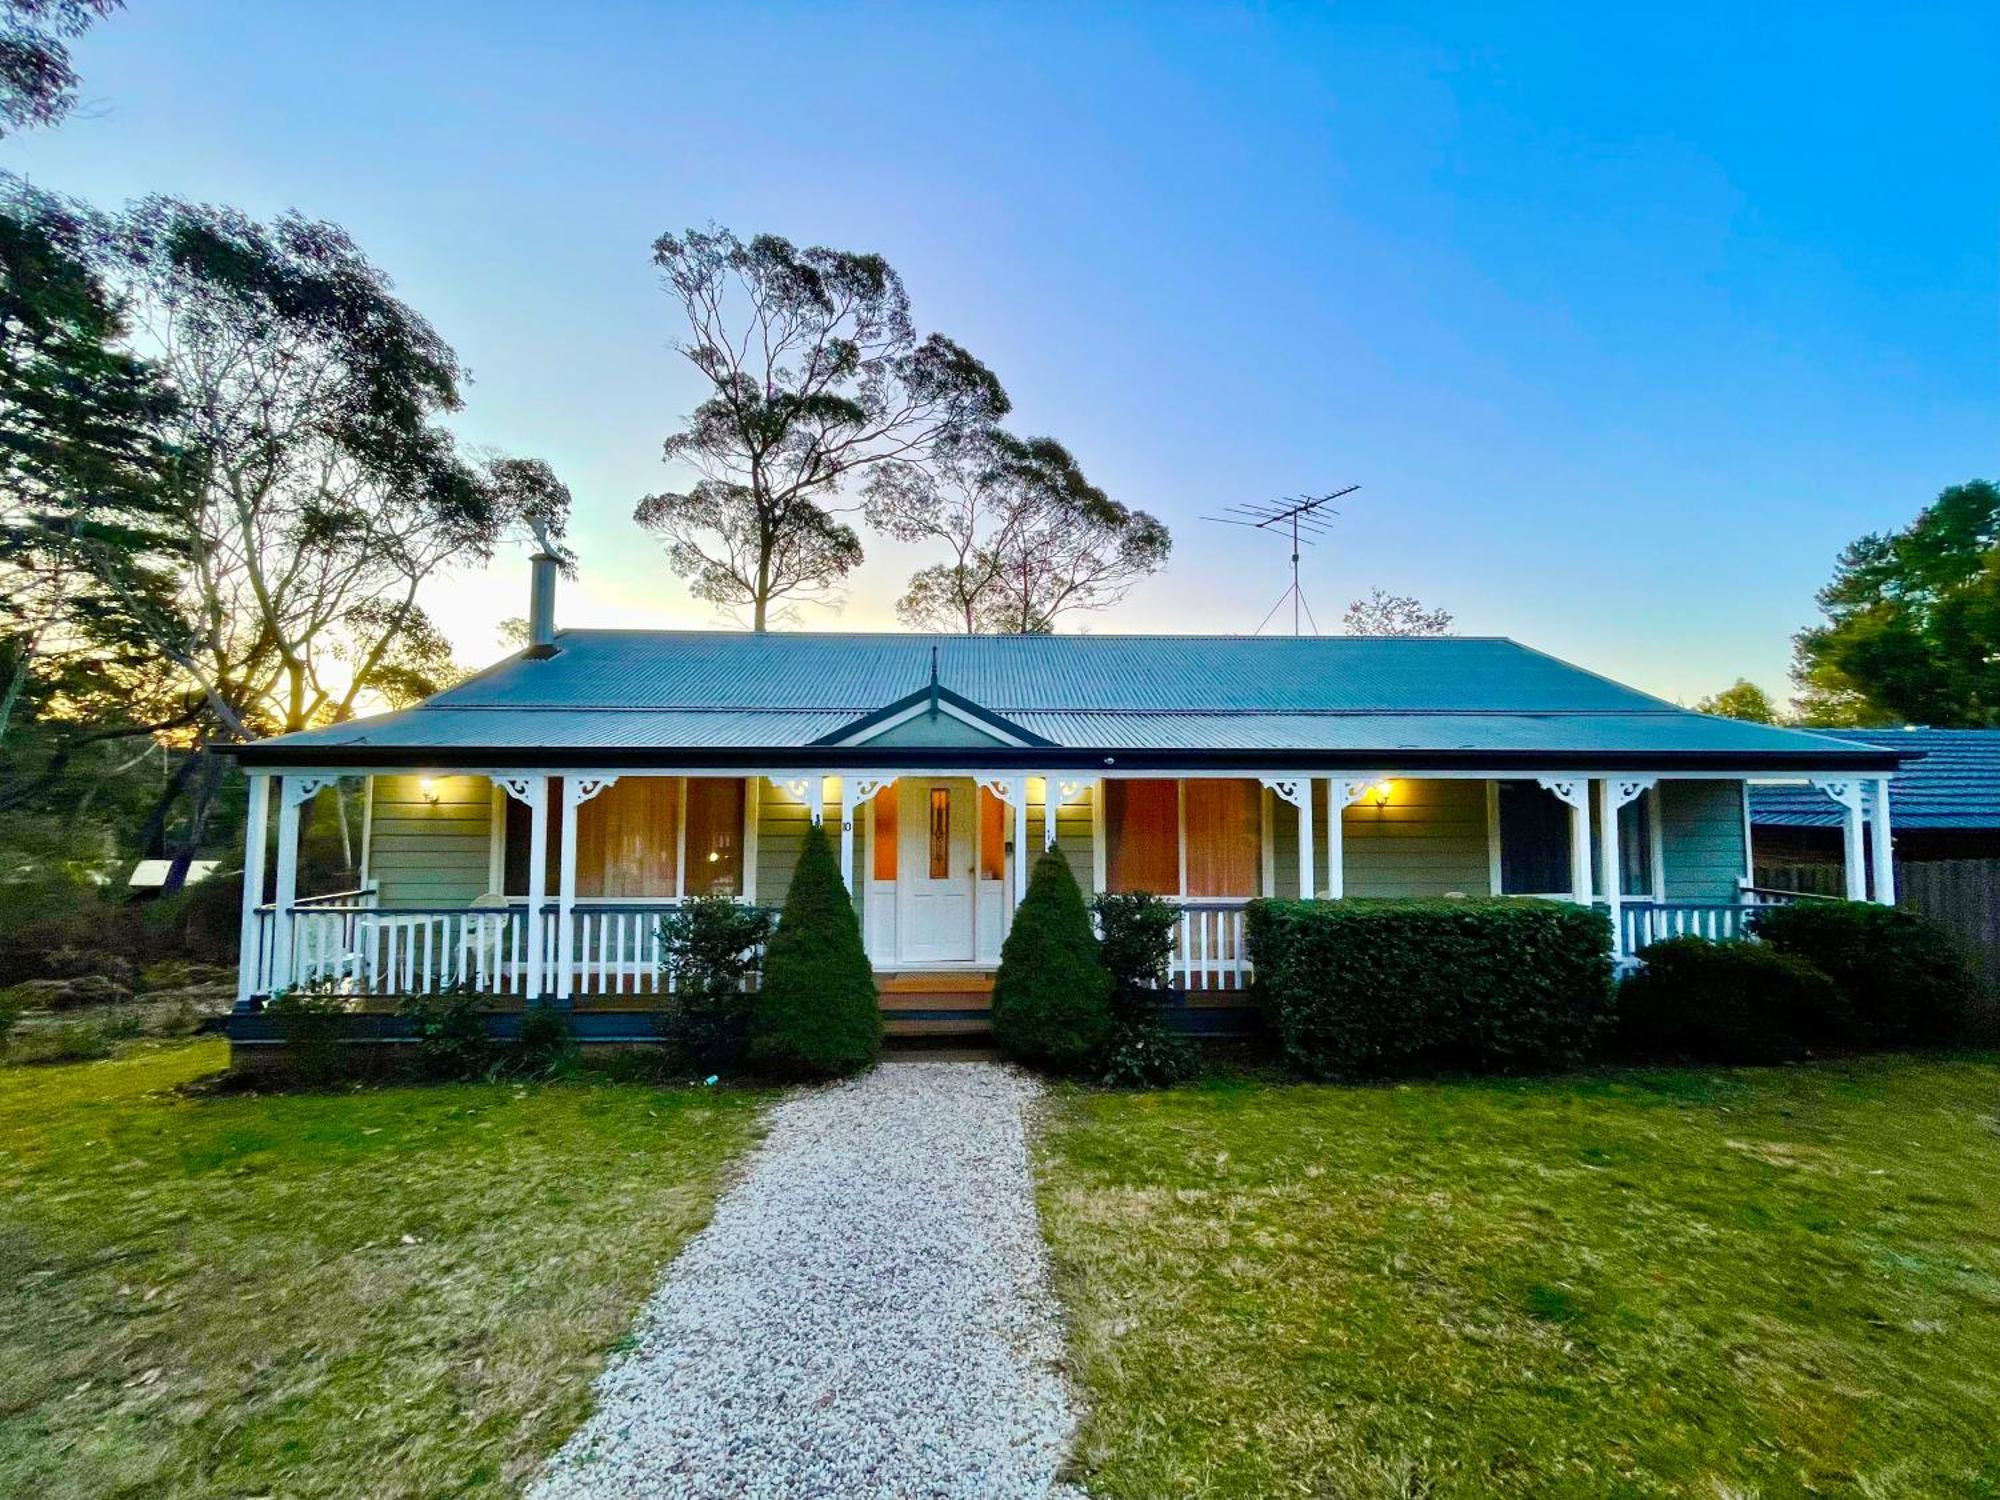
point(1013, 790)
point(1883, 848)
point(255, 835)
point(293, 793)
point(1575, 791)
point(577, 790)
point(1342, 793)
point(1612, 794)
point(1298, 790)
point(532, 792)
point(1851, 794)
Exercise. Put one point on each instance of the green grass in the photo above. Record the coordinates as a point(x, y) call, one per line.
point(377, 1292)
point(1764, 1283)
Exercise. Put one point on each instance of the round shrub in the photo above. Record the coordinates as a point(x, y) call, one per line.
point(1901, 975)
point(1052, 996)
point(817, 1014)
point(1730, 1002)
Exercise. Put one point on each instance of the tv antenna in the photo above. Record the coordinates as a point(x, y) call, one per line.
point(1304, 519)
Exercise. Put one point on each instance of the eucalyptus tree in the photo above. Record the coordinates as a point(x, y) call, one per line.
point(1028, 538)
point(320, 492)
point(815, 377)
point(37, 80)
point(1384, 613)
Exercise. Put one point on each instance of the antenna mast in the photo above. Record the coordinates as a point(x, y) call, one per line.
point(1303, 519)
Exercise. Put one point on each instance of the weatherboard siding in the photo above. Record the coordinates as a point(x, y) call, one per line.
point(1701, 839)
point(430, 854)
point(1429, 840)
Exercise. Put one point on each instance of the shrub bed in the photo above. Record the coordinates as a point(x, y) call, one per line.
point(1901, 975)
point(1366, 988)
point(1731, 1002)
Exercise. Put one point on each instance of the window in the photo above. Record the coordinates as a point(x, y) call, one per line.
point(1635, 846)
point(714, 835)
point(1142, 836)
point(628, 839)
point(1225, 834)
point(1534, 840)
point(940, 831)
point(514, 859)
point(992, 836)
point(882, 852)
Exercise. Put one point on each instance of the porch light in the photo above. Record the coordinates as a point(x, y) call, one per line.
point(427, 788)
point(1383, 791)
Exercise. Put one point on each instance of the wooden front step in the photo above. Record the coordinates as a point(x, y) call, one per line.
point(934, 982)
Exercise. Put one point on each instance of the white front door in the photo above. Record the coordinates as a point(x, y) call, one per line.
point(934, 864)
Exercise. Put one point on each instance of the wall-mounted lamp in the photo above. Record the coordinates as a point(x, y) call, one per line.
point(1383, 791)
point(427, 788)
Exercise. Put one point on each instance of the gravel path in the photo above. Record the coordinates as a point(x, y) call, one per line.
point(868, 1314)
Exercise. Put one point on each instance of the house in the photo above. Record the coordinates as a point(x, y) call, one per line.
point(1945, 805)
point(525, 829)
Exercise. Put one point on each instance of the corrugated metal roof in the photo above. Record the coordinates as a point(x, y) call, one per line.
point(1955, 785)
point(635, 690)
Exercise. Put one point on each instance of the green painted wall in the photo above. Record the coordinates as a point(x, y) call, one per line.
point(430, 854)
point(1429, 840)
point(1701, 839)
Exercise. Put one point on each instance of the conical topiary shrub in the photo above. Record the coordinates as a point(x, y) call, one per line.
point(1052, 997)
point(816, 1014)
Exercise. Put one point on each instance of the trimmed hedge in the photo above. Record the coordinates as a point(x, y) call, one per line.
point(817, 1014)
point(1730, 1002)
point(1362, 988)
point(1137, 949)
point(1052, 996)
point(1901, 975)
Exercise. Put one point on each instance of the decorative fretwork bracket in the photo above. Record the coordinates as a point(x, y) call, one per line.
point(1292, 789)
point(300, 790)
point(580, 789)
point(866, 788)
point(1628, 789)
point(1009, 789)
point(1575, 790)
point(1061, 790)
point(1849, 793)
point(530, 791)
point(1348, 790)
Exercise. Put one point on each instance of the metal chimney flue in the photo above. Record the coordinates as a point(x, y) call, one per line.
point(542, 606)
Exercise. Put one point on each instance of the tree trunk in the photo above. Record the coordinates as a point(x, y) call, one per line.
point(204, 801)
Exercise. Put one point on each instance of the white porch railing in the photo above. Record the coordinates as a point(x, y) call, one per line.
point(1642, 922)
point(615, 949)
point(1210, 952)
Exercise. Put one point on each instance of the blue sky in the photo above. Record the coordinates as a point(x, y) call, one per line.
point(1625, 318)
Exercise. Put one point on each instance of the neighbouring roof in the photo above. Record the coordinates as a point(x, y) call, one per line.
point(1955, 785)
point(1398, 703)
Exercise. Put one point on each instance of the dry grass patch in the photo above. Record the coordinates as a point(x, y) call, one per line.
point(1764, 1283)
point(376, 1292)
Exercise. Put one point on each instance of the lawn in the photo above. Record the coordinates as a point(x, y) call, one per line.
point(1758, 1283)
point(386, 1291)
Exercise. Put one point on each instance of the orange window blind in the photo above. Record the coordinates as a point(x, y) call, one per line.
point(992, 836)
point(628, 838)
point(882, 853)
point(1142, 836)
point(1224, 837)
point(714, 836)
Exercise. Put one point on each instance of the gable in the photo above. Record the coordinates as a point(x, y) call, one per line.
point(934, 731)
